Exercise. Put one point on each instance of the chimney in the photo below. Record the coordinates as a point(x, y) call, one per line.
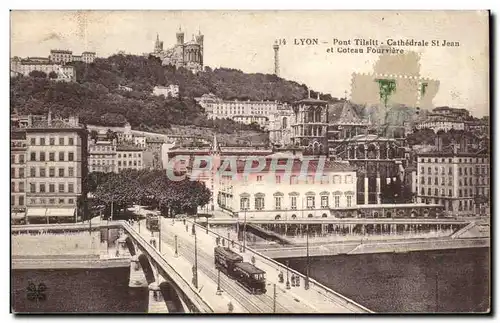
point(318, 95)
point(309, 94)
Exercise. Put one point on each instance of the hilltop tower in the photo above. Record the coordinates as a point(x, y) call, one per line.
point(276, 48)
point(199, 41)
point(180, 37)
point(158, 44)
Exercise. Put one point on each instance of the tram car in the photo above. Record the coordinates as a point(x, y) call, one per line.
point(226, 259)
point(246, 274)
point(251, 277)
point(153, 222)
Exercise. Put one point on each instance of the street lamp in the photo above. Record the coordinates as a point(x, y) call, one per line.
point(195, 268)
point(306, 283)
point(245, 230)
point(287, 279)
point(219, 290)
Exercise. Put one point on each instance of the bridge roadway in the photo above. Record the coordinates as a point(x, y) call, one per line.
point(295, 300)
point(318, 299)
point(331, 221)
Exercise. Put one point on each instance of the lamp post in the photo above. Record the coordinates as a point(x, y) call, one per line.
point(219, 291)
point(195, 269)
point(245, 231)
point(287, 279)
point(306, 283)
point(159, 233)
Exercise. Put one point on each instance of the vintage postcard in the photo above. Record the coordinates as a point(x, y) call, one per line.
point(250, 162)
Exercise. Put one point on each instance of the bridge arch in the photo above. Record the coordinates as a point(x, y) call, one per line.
point(130, 245)
point(146, 267)
point(171, 298)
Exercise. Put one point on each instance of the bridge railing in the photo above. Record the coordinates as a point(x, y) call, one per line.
point(318, 287)
point(182, 283)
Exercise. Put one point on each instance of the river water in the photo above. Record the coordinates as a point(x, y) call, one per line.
point(408, 282)
point(79, 290)
point(381, 282)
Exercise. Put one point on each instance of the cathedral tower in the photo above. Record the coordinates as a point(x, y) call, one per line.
point(180, 37)
point(199, 41)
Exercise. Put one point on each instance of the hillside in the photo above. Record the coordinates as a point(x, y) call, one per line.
point(96, 99)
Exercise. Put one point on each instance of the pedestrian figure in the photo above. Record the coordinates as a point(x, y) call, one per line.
point(297, 281)
point(293, 280)
point(280, 277)
point(187, 228)
point(117, 253)
point(232, 243)
point(184, 221)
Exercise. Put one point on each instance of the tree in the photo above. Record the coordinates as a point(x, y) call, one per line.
point(53, 75)
point(38, 74)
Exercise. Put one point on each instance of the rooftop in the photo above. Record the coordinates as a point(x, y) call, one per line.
point(127, 148)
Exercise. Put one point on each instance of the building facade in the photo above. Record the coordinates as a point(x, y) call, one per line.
point(63, 56)
point(171, 91)
point(18, 148)
point(56, 166)
point(279, 195)
point(458, 180)
point(102, 156)
point(241, 111)
point(310, 125)
point(25, 67)
point(129, 157)
point(280, 127)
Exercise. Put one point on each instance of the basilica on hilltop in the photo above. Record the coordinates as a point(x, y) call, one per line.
point(183, 54)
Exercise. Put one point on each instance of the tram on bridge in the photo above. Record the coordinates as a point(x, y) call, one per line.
point(153, 222)
point(246, 274)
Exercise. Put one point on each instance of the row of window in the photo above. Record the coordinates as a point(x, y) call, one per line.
point(41, 141)
point(51, 188)
point(17, 159)
point(461, 171)
point(42, 172)
point(102, 148)
point(130, 155)
point(461, 193)
point(51, 156)
point(104, 162)
point(450, 160)
point(130, 163)
point(42, 201)
point(278, 202)
point(467, 181)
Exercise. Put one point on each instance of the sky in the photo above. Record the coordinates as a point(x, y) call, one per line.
point(244, 39)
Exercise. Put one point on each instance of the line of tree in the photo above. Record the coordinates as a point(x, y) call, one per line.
point(148, 188)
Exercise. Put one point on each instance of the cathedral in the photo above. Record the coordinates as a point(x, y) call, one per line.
point(184, 54)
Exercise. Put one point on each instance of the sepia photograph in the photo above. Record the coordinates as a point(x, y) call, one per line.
point(250, 162)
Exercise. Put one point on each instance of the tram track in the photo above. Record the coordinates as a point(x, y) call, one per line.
point(252, 303)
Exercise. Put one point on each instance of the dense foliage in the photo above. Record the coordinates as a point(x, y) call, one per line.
point(145, 187)
point(97, 98)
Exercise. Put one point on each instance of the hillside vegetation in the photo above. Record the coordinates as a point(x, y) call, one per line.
point(96, 98)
